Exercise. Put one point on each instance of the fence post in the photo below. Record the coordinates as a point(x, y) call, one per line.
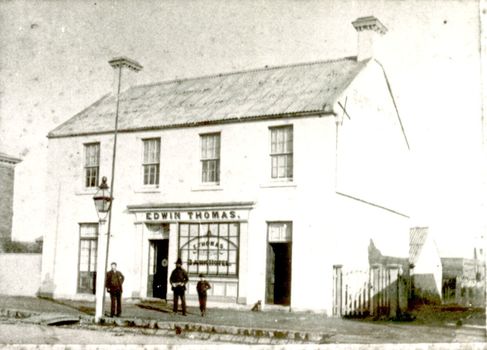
point(375, 287)
point(393, 270)
point(337, 290)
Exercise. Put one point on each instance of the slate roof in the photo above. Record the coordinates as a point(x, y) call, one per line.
point(417, 238)
point(261, 93)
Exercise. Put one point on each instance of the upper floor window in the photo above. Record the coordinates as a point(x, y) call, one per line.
point(92, 164)
point(210, 157)
point(152, 150)
point(282, 152)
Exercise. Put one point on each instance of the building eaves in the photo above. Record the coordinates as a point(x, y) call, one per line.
point(5, 158)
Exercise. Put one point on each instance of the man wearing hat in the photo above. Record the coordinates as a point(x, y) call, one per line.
point(178, 279)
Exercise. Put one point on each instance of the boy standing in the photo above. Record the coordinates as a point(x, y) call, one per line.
point(202, 287)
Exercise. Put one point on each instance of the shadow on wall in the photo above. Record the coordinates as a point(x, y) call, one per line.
point(423, 290)
point(47, 287)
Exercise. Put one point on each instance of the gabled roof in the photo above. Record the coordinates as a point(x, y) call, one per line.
point(417, 238)
point(263, 93)
point(5, 158)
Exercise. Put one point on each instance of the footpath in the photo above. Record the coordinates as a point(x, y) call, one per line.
point(236, 326)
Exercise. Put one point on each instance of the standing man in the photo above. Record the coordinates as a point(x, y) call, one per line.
point(201, 288)
point(113, 283)
point(178, 279)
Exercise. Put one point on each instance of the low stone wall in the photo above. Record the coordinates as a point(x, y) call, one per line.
point(20, 274)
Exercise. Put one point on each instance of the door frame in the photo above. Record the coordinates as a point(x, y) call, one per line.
point(156, 243)
point(277, 232)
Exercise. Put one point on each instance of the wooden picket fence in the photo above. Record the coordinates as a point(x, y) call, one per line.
point(360, 293)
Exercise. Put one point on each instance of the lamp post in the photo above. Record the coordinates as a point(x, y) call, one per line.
point(103, 204)
point(119, 64)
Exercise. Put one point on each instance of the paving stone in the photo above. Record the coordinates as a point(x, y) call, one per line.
point(315, 337)
point(233, 330)
point(107, 320)
point(121, 322)
point(141, 323)
point(280, 334)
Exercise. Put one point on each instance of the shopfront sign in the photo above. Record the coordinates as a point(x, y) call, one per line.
point(199, 215)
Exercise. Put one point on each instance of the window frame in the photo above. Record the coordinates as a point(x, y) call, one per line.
point(92, 246)
point(88, 182)
point(205, 178)
point(286, 153)
point(151, 164)
point(205, 269)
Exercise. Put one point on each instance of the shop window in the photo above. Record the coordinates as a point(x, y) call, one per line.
point(210, 248)
point(151, 163)
point(87, 258)
point(92, 164)
point(282, 152)
point(210, 158)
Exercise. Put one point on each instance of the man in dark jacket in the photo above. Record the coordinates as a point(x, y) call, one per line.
point(178, 279)
point(113, 283)
point(202, 288)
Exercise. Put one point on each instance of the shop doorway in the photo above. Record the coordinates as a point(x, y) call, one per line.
point(158, 264)
point(279, 273)
point(279, 258)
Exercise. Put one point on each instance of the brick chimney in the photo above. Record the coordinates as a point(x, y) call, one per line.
point(369, 30)
point(124, 76)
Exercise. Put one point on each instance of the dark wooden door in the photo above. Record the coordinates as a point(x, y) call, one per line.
point(157, 279)
point(279, 273)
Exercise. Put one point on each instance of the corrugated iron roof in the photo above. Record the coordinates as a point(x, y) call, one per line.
point(267, 92)
point(417, 238)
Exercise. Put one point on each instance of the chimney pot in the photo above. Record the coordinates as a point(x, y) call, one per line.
point(369, 29)
point(124, 73)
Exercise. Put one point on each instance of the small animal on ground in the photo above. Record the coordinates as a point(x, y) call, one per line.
point(257, 306)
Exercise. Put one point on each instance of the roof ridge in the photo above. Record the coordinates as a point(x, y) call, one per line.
point(266, 68)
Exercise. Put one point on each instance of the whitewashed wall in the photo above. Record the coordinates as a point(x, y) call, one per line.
point(20, 274)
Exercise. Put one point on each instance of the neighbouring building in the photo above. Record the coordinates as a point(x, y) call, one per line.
point(7, 178)
point(265, 180)
point(426, 268)
point(464, 281)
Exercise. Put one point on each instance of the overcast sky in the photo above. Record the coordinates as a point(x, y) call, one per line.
point(54, 63)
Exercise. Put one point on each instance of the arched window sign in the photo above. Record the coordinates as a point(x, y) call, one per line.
point(211, 249)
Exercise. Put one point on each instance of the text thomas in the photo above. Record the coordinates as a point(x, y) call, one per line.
point(192, 215)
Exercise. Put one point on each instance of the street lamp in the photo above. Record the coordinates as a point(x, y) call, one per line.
point(103, 200)
point(103, 204)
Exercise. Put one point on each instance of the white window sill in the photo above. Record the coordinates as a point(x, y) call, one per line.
point(87, 191)
point(277, 183)
point(207, 187)
point(148, 189)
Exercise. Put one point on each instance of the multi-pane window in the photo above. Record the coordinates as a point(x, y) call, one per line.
point(210, 248)
point(87, 258)
point(210, 157)
point(282, 152)
point(92, 164)
point(152, 150)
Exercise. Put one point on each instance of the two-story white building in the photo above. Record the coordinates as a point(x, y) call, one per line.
point(263, 180)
